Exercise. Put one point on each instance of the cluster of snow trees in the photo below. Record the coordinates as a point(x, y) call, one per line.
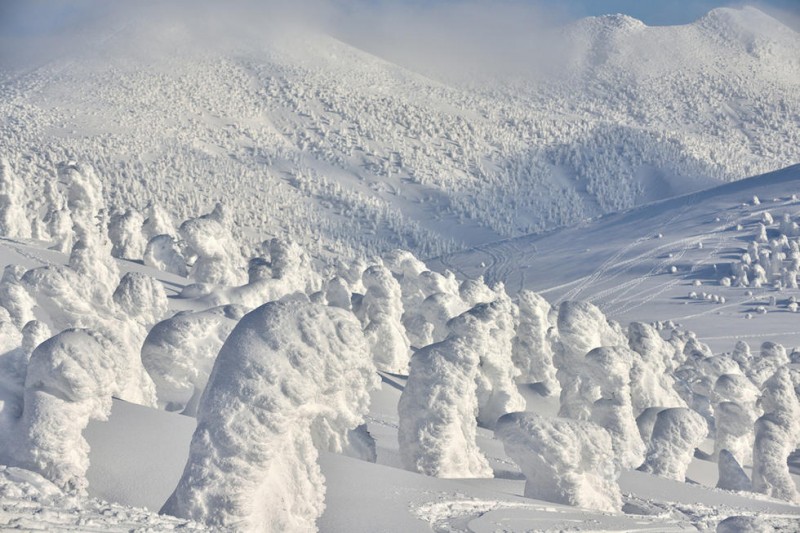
point(278, 360)
point(772, 258)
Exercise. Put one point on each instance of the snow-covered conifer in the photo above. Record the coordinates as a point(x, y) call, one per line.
point(14, 296)
point(127, 238)
point(158, 222)
point(676, 433)
point(532, 352)
point(141, 298)
point(564, 461)
point(382, 307)
point(14, 222)
point(491, 336)
point(776, 436)
point(652, 384)
point(70, 380)
point(219, 260)
point(734, 414)
point(439, 406)
point(163, 253)
point(772, 356)
point(253, 463)
point(179, 354)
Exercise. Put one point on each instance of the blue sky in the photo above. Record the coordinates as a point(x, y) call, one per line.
point(661, 12)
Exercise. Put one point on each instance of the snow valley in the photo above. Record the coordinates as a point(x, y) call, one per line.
point(271, 281)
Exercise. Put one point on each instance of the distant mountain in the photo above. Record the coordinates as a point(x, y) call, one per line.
point(305, 135)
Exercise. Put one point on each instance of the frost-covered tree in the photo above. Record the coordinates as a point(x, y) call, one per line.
point(218, 258)
point(337, 293)
point(163, 253)
point(772, 356)
point(476, 291)
point(141, 298)
point(179, 354)
point(582, 327)
point(57, 217)
point(14, 296)
point(158, 222)
point(492, 338)
point(127, 238)
point(676, 433)
point(564, 461)
point(776, 436)
point(69, 381)
point(532, 352)
point(735, 412)
point(252, 462)
point(652, 384)
point(14, 221)
point(607, 382)
point(90, 255)
point(427, 322)
point(382, 308)
point(439, 406)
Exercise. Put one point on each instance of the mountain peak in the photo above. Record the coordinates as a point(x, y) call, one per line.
point(746, 19)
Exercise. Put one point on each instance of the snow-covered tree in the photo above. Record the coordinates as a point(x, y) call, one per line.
point(382, 308)
point(735, 412)
point(70, 379)
point(219, 259)
point(676, 433)
point(564, 461)
point(607, 380)
point(776, 436)
point(492, 338)
point(141, 298)
point(582, 327)
point(14, 222)
point(532, 352)
point(652, 384)
point(179, 354)
point(163, 253)
point(439, 406)
point(252, 462)
point(771, 357)
point(127, 237)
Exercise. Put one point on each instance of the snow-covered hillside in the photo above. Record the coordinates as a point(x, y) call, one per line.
point(303, 134)
point(676, 260)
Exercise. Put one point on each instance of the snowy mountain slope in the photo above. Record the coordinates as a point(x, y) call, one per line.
point(624, 262)
point(303, 134)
